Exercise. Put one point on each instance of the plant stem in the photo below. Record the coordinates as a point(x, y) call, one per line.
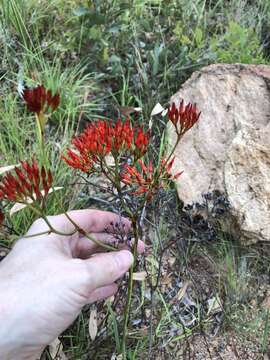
point(47, 232)
point(172, 151)
point(40, 121)
point(77, 229)
point(51, 228)
point(88, 236)
point(130, 287)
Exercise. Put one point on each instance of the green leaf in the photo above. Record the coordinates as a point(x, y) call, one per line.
point(81, 11)
point(93, 17)
point(198, 36)
point(95, 33)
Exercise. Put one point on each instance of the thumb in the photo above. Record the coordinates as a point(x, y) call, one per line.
point(106, 268)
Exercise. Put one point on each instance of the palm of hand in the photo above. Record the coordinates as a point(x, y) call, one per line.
point(47, 279)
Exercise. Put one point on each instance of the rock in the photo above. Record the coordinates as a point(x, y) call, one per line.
point(229, 148)
point(247, 182)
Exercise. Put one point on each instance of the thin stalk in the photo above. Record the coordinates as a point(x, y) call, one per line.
point(172, 151)
point(40, 121)
point(44, 217)
point(37, 234)
point(77, 229)
point(103, 188)
point(116, 175)
point(104, 172)
point(130, 288)
point(117, 184)
point(57, 231)
point(88, 236)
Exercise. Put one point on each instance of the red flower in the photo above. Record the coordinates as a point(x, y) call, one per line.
point(183, 117)
point(141, 178)
point(101, 138)
point(146, 180)
point(165, 170)
point(141, 143)
point(27, 182)
point(39, 99)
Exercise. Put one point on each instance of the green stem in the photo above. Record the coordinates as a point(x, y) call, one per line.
point(117, 184)
point(40, 120)
point(44, 217)
point(38, 234)
point(88, 236)
point(116, 172)
point(172, 151)
point(105, 170)
point(130, 288)
point(77, 229)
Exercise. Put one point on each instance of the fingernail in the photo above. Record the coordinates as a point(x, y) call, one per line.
point(124, 259)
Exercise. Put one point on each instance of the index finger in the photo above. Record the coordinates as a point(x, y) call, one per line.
point(105, 268)
point(90, 220)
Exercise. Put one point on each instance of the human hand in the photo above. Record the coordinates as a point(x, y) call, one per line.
point(47, 279)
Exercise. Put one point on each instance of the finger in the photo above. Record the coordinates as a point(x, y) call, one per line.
point(104, 269)
point(102, 293)
point(85, 247)
point(90, 220)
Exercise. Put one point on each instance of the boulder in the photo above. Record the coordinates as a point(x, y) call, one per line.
point(247, 182)
point(229, 148)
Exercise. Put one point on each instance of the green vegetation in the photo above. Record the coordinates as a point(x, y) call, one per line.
point(104, 55)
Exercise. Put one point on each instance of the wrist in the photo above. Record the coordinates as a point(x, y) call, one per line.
point(15, 344)
point(10, 351)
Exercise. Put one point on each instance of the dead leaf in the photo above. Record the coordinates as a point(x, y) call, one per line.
point(151, 260)
point(182, 291)
point(93, 324)
point(56, 350)
point(116, 357)
point(158, 108)
point(109, 300)
point(127, 110)
point(166, 280)
point(164, 113)
point(110, 160)
point(148, 313)
point(214, 305)
point(266, 302)
point(139, 276)
point(171, 261)
point(147, 294)
point(18, 206)
point(7, 168)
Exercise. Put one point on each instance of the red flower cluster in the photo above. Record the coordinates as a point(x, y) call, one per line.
point(146, 181)
point(183, 117)
point(142, 178)
point(101, 138)
point(39, 99)
point(26, 184)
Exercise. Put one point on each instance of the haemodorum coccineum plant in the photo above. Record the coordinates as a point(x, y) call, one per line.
point(117, 150)
point(41, 102)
